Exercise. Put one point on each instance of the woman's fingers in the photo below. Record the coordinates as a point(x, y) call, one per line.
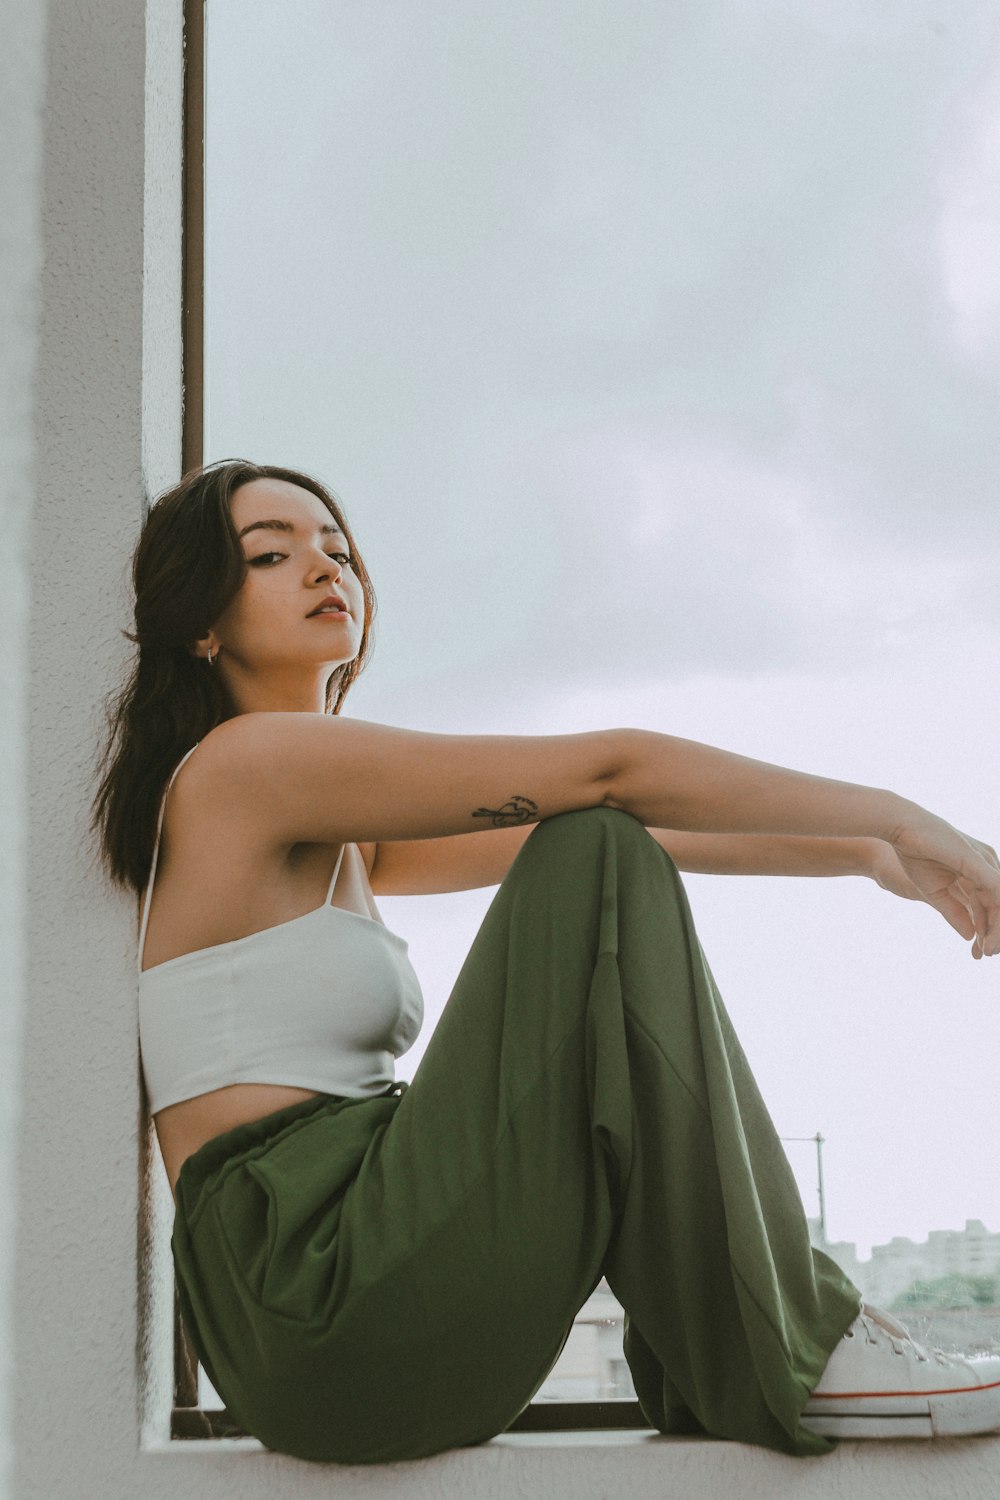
point(986, 850)
point(984, 903)
point(984, 900)
point(973, 910)
point(969, 919)
point(957, 914)
point(957, 874)
point(986, 916)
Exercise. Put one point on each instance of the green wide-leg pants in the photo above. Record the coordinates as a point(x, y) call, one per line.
point(368, 1280)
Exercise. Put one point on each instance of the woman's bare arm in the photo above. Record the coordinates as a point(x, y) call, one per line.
point(304, 777)
point(436, 867)
point(465, 862)
point(316, 778)
point(768, 853)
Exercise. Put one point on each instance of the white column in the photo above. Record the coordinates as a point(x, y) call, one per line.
point(21, 100)
point(104, 194)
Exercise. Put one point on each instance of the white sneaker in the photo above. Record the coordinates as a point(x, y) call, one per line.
point(880, 1383)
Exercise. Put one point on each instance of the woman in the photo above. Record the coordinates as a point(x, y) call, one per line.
point(373, 1271)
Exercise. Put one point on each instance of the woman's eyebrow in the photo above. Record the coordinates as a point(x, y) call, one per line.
point(329, 529)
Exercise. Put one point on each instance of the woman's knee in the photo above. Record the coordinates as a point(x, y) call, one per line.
point(592, 827)
point(569, 857)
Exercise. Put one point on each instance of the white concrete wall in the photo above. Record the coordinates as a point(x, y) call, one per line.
point(84, 1393)
point(21, 94)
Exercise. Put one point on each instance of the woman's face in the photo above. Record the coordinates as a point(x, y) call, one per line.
point(296, 556)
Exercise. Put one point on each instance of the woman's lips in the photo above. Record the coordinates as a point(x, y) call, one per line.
point(330, 601)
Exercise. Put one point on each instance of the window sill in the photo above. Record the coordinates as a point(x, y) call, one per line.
point(584, 1465)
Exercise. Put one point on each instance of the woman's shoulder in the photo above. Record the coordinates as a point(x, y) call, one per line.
point(258, 750)
point(204, 782)
point(208, 798)
point(253, 734)
point(236, 768)
point(226, 793)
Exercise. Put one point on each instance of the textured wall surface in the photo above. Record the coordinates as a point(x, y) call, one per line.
point(21, 95)
point(75, 1305)
point(88, 1385)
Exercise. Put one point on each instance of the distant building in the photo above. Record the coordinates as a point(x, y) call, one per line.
point(894, 1267)
point(844, 1252)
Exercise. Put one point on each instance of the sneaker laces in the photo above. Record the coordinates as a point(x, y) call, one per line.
point(880, 1328)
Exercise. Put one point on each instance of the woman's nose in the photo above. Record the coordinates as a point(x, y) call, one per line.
point(324, 563)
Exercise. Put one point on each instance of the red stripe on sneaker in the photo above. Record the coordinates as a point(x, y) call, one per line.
point(958, 1390)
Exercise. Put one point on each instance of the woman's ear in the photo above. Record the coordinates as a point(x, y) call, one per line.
point(203, 646)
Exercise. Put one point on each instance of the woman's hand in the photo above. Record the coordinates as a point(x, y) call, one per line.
point(928, 860)
point(882, 864)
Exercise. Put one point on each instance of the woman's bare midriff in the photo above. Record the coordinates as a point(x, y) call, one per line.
point(184, 1128)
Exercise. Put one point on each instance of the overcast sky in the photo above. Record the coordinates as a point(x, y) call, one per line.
point(654, 353)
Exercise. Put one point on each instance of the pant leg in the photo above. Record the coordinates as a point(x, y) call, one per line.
point(583, 1108)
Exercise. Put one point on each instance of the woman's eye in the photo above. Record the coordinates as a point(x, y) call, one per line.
point(262, 557)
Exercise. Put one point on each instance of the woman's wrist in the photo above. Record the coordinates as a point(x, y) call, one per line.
point(669, 782)
point(902, 814)
point(870, 856)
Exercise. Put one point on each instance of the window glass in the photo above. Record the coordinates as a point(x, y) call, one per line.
point(654, 354)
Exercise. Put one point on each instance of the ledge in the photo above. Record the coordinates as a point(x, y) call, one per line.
point(606, 1465)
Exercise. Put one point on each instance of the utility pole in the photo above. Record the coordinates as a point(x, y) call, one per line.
point(819, 1175)
point(822, 1198)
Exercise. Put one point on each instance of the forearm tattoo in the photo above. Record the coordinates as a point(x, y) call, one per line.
point(516, 810)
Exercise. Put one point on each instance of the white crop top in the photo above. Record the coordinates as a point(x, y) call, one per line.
point(325, 1001)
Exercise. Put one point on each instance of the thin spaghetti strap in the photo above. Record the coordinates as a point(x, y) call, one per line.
point(336, 872)
point(156, 855)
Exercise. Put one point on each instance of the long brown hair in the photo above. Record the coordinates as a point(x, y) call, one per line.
point(187, 565)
